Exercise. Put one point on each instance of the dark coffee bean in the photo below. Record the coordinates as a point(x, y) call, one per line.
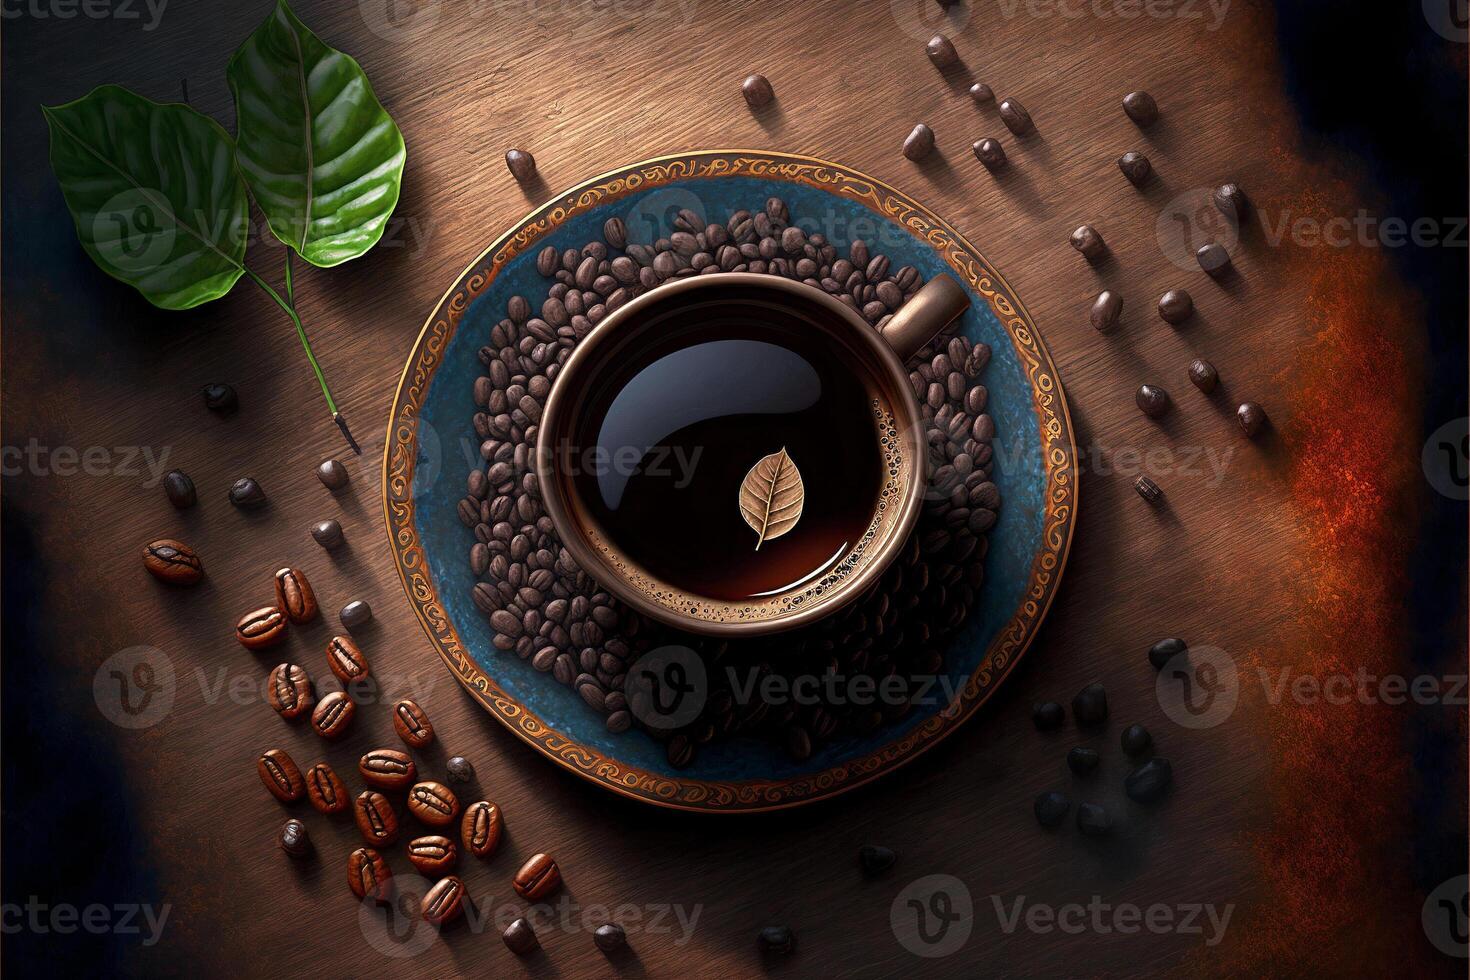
point(875, 859)
point(295, 840)
point(444, 902)
point(615, 232)
point(1015, 116)
point(412, 724)
point(480, 828)
point(942, 52)
point(279, 774)
point(757, 91)
point(1165, 650)
point(294, 596)
point(1087, 241)
point(432, 855)
point(1175, 306)
point(375, 818)
point(1082, 761)
point(173, 562)
point(520, 937)
point(261, 628)
point(180, 489)
point(1213, 259)
point(1252, 418)
point(989, 152)
point(1152, 400)
point(246, 494)
point(325, 790)
point(1051, 808)
point(388, 769)
point(459, 770)
point(355, 615)
point(1135, 167)
point(537, 878)
point(1230, 200)
point(346, 660)
point(332, 715)
point(1148, 489)
point(289, 691)
point(1149, 782)
point(1093, 820)
point(333, 475)
point(610, 937)
point(547, 261)
point(521, 164)
point(328, 534)
point(919, 143)
point(1090, 706)
point(1136, 740)
point(776, 941)
point(433, 803)
point(1048, 715)
point(220, 398)
point(1105, 310)
point(1141, 108)
point(368, 875)
point(981, 93)
point(1204, 375)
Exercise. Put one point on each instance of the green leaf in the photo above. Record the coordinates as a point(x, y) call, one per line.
point(157, 199)
point(321, 155)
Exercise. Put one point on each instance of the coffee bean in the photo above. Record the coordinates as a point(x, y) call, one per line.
point(1149, 782)
point(387, 769)
point(919, 143)
point(1152, 400)
point(1252, 418)
point(1048, 715)
point(547, 261)
point(757, 91)
point(333, 475)
point(942, 52)
point(875, 859)
point(520, 937)
point(173, 562)
point(368, 875)
point(1204, 375)
point(989, 152)
point(294, 596)
point(289, 691)
point(1051, 808)
point(1213, 258)
point(981, 93)
point(327, 533)
point(246, 494)
point(346, 660)
point(295, 840)
point(615, 232)
point(776, 941)
point(610, 937)
point(1090, 706)
point(459, 770)
point(1105, 310)
point(179, 489)
point(1175, 306)
point(444, 902)
point(679, 751)
point(279, 774)
point(220, 398)
point(521, 164)
point(1136, 740)
point(538, 878)
point(261, 628)
point(1141, 108)
point(1015, 116)
point(1148, 489)
point(325, 790)
point(1082, 761)
point(1230, 200)
point(1165, 650)
point(480, 828)
point(1093, 820)
point(355, 615)
point(1087, 241)
point(375, 818)
point(433, 803)
point(1135, 167)
point(412, 724)
point(333, 715)
point(432, 855)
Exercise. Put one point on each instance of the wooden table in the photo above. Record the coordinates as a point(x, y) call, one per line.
point(1249, 552)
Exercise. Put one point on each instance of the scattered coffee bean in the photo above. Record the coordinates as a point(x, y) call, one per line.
point(328, 534)
point(375, 818)
point(1093, 820)
point(432, 855)
point(388, 769)
point(1141, 108)
point(1015, 116)
point(1204, 375)
point(332, 715)
point(1150, 781)
point(521, 164)
point(1051, 808)
point(368, 875)
point(989, 152)
point(333, 475)
point(1152, 400)
point(520, 937)
point(1252, 418)
point(1136, 740)
point(294, 596)
point(346, 660)
point(289, 691)
point(1105, 310)
point(246, 494)
point(537, 878)
point(295, 840)
point(1175, 306)
point(173, 562)
point(942, 52)
point(981, 93)
point(1090, 706)
point(1048, 715)
point(412, 724)
point(261, 628)
point(1148, 489)
point(1087, 241)
point(1165, 650)
point(776, 941)
point(355, 615)
point(1213, 259)
point(444, 902)
point(875, 859)
point(433, 803)
point(1230, 200)
point(919, 143)
point(610, 937)
point(757, 91)
point(180, 489)
point(325, 790)
point(279, 774)
point(1135, 167)
point(220, 398)
point(480, 828)
point(459, 770)
point(1082, 761)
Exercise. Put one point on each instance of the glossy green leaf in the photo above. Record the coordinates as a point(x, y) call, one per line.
point(321, 155)
point(157, 199)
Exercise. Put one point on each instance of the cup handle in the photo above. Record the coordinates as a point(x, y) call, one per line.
point(932, 309)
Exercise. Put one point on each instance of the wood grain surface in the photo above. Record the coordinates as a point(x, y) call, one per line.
point(587, 87)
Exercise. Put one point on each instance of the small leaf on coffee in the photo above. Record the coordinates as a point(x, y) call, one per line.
point(771, 497)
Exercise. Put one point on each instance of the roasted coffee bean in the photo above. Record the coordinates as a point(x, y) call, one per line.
point(1015, 116)
point(1213, 258)
point(375, 818)
point(173, 562)
point(1082, 761)
point(294, 596)
point(522, 165)
point(1048, 715)
point(1135, 167)
point(368, 875)
point(1136, 740)
point(1051, 808)
point(1230, 200)
point(1105, 310)
point(1149, 782)
point(432, 855)
point(610, 937)
point(757, 91)
point(388, 769)
point(332, 715)
point(261, 628)
point(982, 93)
point(1148, 489)
point(444, 902)
point(412, 724)
point(1087, 241)
point(295, 840)
point(220, 398)
point(279, 774)
point(875, 860)
point(1090, 706)
point(289, 691)
point(520, 937)
point(919, 143)
point(346, 660)
point(1204, 375)
point(333, 475)
point(1175, 306)
point(776, 941)
point(1141, 108)
point(459, 770)
point(246, 494)
point(433, 803)
point(328, 534)
point(615, 232)
point(355, 615)
point(538, 878)
point(1152, 400)
point(1165, 650)
point(1252, 418)
point(325, 790)
point(480, 828)
point(1093, 820)
point(942, 52)
point(179, 489)
point(989, 152)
